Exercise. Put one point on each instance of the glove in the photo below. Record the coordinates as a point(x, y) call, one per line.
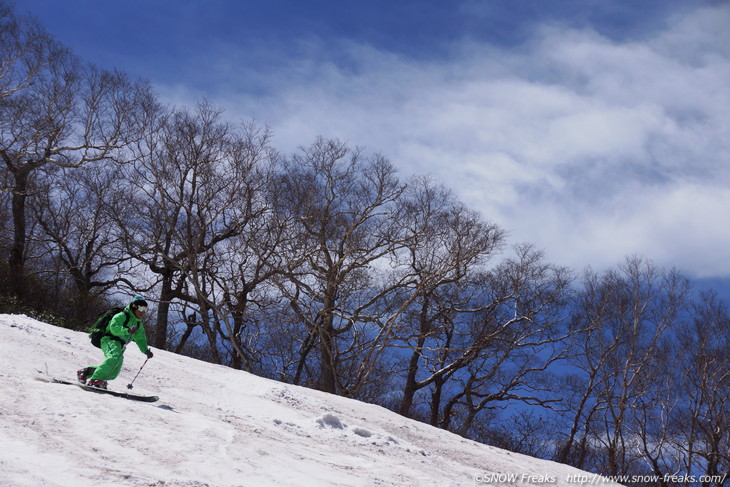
point(133, 329)
point(150, 354)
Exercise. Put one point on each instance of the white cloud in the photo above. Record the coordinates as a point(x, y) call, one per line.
point(589, 148)
point(684, 226)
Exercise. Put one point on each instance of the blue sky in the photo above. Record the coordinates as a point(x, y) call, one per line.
point(593, 129)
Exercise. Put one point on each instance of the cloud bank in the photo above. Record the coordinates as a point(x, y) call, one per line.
point(589, 147)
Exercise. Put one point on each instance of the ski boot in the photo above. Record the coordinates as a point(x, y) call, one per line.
point(98, 383)
point(85, 373)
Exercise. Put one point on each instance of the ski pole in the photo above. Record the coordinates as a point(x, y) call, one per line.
point(129, 386)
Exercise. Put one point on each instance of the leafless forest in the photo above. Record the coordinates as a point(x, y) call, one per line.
point(327, 268)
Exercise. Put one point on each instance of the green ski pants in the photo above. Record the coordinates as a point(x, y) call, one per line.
point(110, 367)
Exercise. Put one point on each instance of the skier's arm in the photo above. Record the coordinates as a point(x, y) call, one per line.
point(140, 338)
point(117, 328)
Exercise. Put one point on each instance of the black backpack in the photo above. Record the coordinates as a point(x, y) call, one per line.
point(99, 328)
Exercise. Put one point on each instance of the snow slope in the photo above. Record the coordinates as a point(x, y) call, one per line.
point(216, 426)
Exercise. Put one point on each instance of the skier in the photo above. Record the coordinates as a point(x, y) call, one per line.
point(123, 327)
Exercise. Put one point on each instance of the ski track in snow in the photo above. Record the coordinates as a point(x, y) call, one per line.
point(214, 427)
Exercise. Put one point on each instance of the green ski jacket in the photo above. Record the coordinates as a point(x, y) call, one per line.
point(117, 328)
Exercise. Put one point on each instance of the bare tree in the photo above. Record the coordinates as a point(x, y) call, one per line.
point(243, 271)
point(233, 281)
point(627, 315)
point(493, 341)
point(79, 233)
point(57, 111)
point(25, 50)
point(345, 206)
point(700, 425)
point(448, 247)
point(195, 190)
point(582, 383)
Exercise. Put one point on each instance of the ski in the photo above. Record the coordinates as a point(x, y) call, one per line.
point(125, 395)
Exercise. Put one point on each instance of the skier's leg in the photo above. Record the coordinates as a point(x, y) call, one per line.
point(110, 367)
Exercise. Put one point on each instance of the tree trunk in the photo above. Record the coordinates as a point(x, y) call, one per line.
point(328, 375)
point(16, 261)
point(410, 388)
point(163, 311)
point(184, 339)
point(436, 394)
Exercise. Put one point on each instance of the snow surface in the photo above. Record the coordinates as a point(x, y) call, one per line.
point(215, 426)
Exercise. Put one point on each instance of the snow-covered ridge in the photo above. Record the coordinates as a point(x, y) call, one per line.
point(217, 427)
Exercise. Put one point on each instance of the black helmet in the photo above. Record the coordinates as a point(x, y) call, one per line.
point(138, 303)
